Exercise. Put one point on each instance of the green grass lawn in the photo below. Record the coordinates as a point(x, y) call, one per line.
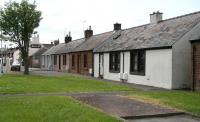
point(48, 109)
point(184, 100)
point(57, 108)
point(35, 84)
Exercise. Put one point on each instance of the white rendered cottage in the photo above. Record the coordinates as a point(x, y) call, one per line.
point(48, 57)
point(156, 54)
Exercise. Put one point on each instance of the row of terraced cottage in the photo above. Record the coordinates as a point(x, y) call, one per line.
point(163, 53)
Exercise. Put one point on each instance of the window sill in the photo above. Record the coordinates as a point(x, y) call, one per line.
point(137, 73)
point(114, 71)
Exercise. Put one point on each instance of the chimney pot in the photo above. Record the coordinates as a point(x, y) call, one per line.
point(56, 42)
point(156, 17)
point(117, 26)
point(68, 38)
point(88, 33)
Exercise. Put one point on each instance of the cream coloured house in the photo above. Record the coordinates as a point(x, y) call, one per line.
point(156, 54)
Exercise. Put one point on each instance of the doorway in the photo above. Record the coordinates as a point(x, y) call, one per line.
point(59, 62)
point(196, 65)
point(78, 63)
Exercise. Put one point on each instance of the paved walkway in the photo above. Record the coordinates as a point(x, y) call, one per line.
point(123, 107)
point(133, 110)
point(178, 118)
point(65, 94)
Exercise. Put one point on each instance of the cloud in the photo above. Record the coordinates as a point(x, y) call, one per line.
point(61, 16)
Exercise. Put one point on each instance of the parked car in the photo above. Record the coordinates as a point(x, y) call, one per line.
point(15, 66)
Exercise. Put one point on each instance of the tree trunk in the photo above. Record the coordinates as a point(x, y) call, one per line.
point(26, 64)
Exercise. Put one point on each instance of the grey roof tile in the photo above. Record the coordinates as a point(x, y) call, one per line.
point(63, 48)
point(92, 42)
point(69, 47)
point(43, 49)
point(162, 34)
point(53, 49)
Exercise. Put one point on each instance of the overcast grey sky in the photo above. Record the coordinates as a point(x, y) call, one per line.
point(61, 16)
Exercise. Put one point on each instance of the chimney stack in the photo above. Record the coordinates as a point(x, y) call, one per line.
point(88, 33)
point(56, 42)
point(117, 26)
point(68, 38)
point(156, 17)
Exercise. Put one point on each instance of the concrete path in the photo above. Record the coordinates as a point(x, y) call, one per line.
point(178, 118)
point(132, 110)
point(124, 107)
point(65, 94)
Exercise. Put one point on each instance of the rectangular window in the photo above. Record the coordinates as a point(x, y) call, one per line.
point(85, 60)
point(55, 59)
point(114, 62)
point(137, 62)
point(73, 61)
point(64, 59)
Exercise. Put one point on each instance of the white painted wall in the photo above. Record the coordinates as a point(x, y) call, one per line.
point(107, 74)
point(47, 62)
point(96, 65)
point(35, 40)
point(182, 59)
point(158, 71)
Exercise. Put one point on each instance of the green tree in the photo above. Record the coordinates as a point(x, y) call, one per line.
point(18, 21)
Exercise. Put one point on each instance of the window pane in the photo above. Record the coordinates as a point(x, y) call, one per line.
point(142, 62)
point(55, 59)
point(117, 61)
point(137, 62)
point(64, 59)
point(114, 62)
point(73, 60)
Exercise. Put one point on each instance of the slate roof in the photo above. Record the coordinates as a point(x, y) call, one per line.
point(64, 48)
point(42, 50)
point(162, 34)
point(92, 42)
point(47, 46)
point(53, 49)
